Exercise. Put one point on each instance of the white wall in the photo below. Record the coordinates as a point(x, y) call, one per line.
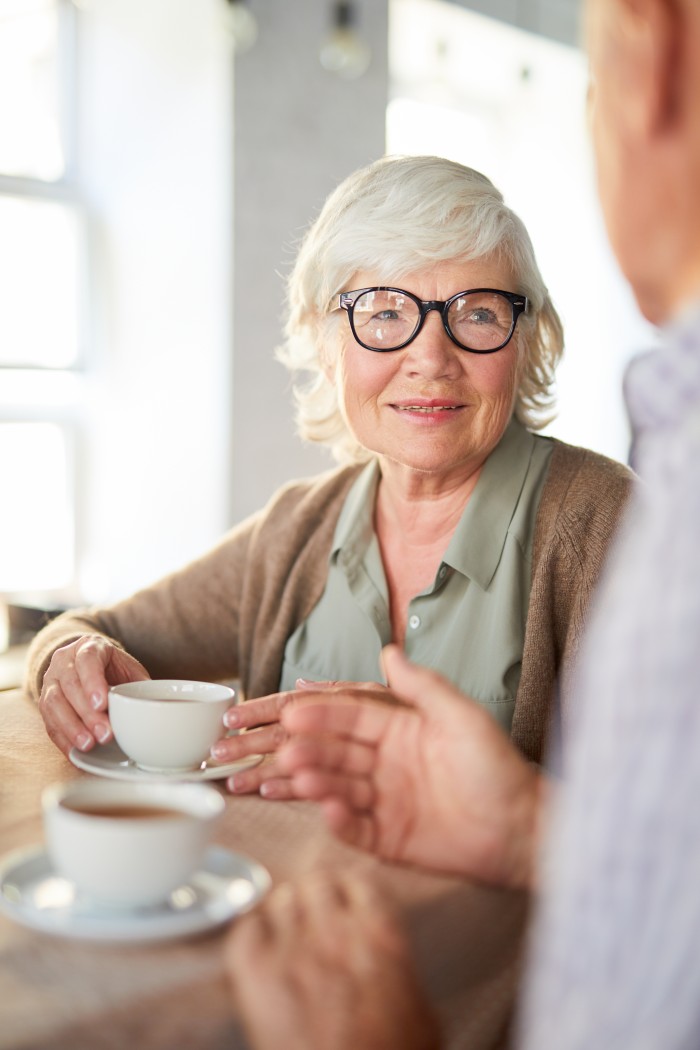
point(512, 105)
point(155, 166)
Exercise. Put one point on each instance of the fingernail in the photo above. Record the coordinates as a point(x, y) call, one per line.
point(232, 719)
point(84, 741)
point(102, 732)
point(96, 701)
point(267, 790)
point(219, 751)
point(232, 784)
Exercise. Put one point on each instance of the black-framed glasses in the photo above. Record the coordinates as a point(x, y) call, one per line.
point(480, 320)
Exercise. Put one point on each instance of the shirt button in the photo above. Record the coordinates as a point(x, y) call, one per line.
point(414, 622)
point(443, 572)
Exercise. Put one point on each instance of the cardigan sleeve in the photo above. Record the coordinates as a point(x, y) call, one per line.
point(229, 613)
point(184, 626)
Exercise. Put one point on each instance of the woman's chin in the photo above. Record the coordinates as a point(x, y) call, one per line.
point(435, 462)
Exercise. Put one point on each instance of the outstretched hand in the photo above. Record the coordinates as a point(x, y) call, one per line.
point(436, 783)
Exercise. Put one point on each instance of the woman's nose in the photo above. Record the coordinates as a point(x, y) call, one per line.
point(432, 353)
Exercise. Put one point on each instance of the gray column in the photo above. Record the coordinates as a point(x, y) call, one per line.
point(298, 131)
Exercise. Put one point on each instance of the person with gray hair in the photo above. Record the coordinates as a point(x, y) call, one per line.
point(425, 345)
point(455, 213)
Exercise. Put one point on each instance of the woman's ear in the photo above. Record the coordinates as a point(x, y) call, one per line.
point(329, 351)
point(327, 366)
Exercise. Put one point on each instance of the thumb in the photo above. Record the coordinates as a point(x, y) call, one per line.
point(418, 686)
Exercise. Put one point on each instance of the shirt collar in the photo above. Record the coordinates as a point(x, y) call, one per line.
point(355, 525)
point(662, 384)
point(477, 544)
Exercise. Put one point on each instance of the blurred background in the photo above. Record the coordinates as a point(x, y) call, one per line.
point(159, 161)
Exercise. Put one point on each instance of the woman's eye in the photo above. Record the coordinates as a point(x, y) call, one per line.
point(386, 315)
point(482, 317)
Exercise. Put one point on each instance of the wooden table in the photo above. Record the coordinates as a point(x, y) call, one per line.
point(77, 995)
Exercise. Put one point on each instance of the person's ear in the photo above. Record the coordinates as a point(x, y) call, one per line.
point(327, 360)
point(650, 50)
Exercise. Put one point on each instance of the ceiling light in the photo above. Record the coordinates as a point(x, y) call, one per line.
point(241, 24)
point(344, 52)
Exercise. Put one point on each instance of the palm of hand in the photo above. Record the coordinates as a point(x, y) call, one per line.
point(446, 792)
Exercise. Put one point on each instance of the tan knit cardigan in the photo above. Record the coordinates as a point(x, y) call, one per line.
point(229, 614)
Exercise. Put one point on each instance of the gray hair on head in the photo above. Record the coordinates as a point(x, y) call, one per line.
point(396, 216)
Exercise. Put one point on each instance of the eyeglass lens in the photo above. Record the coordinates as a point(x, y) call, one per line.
point(387, 319)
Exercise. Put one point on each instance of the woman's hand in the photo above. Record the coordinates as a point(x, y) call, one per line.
point(73, 701)
point(437, 783)
point(325, 964)
point(264, 734)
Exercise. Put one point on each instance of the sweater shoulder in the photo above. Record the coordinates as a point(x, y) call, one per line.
point(582, 480)
point(307, 497)
point(574, 459)
point(582, 502)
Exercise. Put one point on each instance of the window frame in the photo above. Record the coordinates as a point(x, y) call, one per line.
point(37, 393)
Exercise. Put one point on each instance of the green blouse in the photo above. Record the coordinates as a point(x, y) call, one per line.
point(469, 624)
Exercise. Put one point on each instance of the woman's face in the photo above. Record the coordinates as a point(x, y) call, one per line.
point(430, 407)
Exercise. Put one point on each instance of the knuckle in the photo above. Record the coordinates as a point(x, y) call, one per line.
point(279, 735)
point(48, 694)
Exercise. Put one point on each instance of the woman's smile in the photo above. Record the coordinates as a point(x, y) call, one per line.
point(428, 410)
point(427, 405)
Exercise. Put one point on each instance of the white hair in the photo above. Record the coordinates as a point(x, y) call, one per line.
point(398, 215)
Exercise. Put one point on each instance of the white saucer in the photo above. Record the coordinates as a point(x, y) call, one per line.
point(228, 884)
point(108, 760)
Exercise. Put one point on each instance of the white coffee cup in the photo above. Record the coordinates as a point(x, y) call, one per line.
point(168, 725)
point(128, 845)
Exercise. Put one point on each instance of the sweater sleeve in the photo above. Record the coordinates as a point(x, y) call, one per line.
point(229, 613)
point(183, 626)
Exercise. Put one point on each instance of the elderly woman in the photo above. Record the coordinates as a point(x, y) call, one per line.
point(418, 310)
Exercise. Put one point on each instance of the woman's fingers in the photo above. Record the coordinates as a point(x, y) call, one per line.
point(73, 701)
point(63, 725)
point(253, 713)
point(71, 692)
point(256, 779)
point(90, 660)
point(278, 789)
point(255, 742)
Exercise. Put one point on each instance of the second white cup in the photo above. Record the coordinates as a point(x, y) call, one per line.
point(128, 845)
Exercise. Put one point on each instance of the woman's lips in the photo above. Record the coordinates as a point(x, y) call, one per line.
point(433, 408)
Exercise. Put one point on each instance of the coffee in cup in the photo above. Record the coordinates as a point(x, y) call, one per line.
point(128, 845)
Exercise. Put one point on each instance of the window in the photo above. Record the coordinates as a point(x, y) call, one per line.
point(42, 267)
